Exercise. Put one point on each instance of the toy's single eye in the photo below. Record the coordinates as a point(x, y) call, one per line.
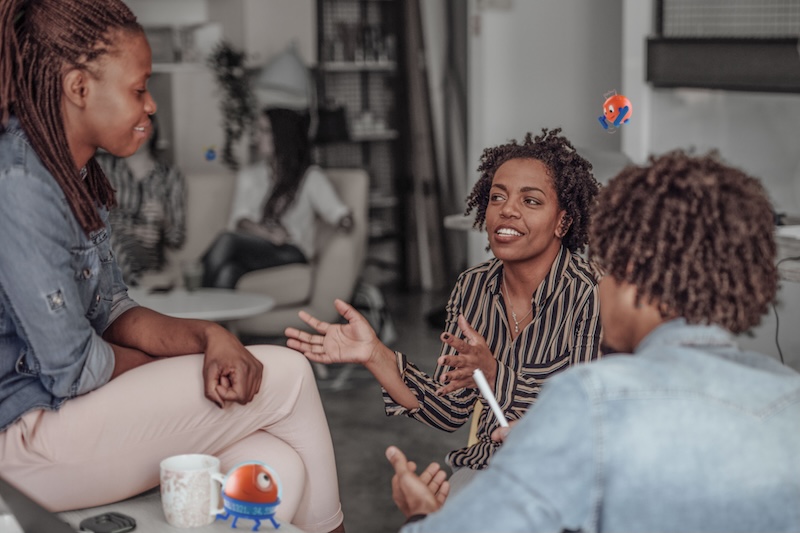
point(263, 481)
point(610, 108)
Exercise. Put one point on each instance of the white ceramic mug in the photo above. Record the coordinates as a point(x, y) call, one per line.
point(190, 489)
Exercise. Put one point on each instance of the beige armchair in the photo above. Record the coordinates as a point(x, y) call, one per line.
point(312, 287)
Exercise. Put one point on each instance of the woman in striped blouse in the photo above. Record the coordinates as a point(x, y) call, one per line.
point(522, 316)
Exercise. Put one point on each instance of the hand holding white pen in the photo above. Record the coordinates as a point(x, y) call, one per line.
point(486, 391)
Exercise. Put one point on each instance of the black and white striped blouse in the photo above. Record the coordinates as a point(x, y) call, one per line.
point(565, 331)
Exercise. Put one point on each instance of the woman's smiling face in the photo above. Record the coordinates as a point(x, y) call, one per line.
point(523, 218)
point(118, 103)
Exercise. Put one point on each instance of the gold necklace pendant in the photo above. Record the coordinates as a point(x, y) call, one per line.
point(511, 308)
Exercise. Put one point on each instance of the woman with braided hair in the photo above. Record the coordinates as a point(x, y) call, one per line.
point(90, 382)
point(524, 315)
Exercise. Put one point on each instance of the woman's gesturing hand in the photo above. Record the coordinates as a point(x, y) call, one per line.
point(472, 353)
point(354, 342)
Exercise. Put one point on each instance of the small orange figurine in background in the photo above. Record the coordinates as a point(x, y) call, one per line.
point(251, 490)
point(617, 110)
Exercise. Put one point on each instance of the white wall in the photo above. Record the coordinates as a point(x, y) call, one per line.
point(545, 64)
point(188, 95)
point(754, 131)
point(169, 12)
point(757, 132)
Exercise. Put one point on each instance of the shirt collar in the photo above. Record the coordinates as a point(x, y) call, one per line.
point(551, 281)
point(678, 332)
point(14, 126)
point(549, 284)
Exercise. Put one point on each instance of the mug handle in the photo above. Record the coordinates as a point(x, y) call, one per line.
point(218, 478)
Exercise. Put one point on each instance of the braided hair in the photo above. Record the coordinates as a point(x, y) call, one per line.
point(693, 235)
point(292, 158)
point(41, 39)
point(572, 178)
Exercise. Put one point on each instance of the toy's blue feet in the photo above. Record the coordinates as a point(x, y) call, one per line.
point(257, 524)
point(235, 519)
point(274, 523)
point(603, 122)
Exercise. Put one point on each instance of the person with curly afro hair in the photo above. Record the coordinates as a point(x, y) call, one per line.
point(696, 243)
point(526, 314)
point(690, 433)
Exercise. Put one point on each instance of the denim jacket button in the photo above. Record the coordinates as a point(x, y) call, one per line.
point(97, 298)
point(87, 273)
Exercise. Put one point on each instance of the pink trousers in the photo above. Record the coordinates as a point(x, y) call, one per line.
point(106, 446)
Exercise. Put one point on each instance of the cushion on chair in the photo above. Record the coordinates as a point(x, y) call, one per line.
point(287, 284)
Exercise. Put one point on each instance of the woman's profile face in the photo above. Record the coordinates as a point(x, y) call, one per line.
point(523, 219)
point(118, 104)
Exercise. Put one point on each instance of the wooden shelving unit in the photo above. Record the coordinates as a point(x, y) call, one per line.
point(360, 67)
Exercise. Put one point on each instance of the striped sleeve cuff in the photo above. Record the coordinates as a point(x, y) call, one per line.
point(408, 375)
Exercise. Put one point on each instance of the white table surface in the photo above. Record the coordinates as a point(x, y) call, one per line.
point(146, 510)
point(218, 305)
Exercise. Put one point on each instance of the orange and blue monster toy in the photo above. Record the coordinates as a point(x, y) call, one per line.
point(617, 110)
point(252, 490)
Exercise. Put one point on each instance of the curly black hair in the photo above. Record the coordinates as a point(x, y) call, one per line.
point(693, 235)
point(572, 179)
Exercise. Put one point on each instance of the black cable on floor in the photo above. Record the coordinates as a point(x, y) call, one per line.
point(777, 325)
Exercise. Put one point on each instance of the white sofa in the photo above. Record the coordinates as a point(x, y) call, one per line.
point(312, 287)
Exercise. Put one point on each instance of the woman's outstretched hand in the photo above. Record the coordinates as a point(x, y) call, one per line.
point(472, 353)
point(354, 342)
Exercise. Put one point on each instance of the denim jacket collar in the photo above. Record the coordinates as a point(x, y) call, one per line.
point(14, 126)
point(678, 332)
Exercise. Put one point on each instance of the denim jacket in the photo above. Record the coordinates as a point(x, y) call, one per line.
point(689, 434)
point(59, 289)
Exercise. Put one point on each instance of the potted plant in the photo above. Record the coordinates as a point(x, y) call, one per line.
point(237, 102)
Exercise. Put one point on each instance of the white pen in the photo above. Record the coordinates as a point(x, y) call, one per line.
point(483, 386)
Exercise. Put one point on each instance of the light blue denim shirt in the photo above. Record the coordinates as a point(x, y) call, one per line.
point(59, 289)
point(689, 434)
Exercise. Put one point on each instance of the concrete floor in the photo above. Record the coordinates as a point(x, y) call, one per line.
point(361, 431)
